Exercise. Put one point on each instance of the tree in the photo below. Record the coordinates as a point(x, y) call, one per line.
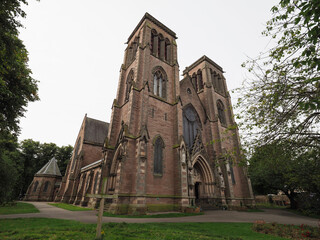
point(17, 88)
point(282, 101)
point(63, 156)
point(280, 105)
point(276, 166)
point(8, 168)
point(35, 155)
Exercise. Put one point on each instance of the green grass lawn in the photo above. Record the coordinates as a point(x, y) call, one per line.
point(164, 215)
point(43, 228)
point(17, 208)
point(69, 207)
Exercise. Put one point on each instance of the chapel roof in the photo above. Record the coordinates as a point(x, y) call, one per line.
point(95, 131)
point(51, 168)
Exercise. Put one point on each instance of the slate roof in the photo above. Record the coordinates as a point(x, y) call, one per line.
point(51, 168)
point(95, 131)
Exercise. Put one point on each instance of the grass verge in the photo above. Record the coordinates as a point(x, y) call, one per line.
point(43, 228)
point(17, 208)
point(164, 215)
point(69, 207)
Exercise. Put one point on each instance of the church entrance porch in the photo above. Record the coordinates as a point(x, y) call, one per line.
point(201, 185)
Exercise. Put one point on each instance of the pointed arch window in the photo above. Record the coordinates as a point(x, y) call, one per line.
point(199, 80)
point(194, 81)
point(132, 51)
point(221, 113)
point(159, 84)
point(129, 85)
point(161, 47)
point(214, 79)
point(191, 125)
point(158, 155)
point(220, 84)
point(167, 53)
point(35, 186)
point(154, 42)
point(46, 186)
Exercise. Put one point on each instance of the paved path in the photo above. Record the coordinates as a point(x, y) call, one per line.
point(269, 215)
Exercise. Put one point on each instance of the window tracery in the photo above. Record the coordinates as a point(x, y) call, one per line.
point(159, 84)
point(191, 125)
point(160, 46)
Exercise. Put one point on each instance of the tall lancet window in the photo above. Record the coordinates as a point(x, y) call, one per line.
point(158, 155)
point(159, 84)
point(129, 85)
point(221, 113)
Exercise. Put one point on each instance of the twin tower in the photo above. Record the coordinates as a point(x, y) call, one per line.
point(170, 143)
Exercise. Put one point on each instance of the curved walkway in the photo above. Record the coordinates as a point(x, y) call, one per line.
point(269, 215)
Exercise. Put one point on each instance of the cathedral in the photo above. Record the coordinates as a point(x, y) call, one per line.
point(170, 143)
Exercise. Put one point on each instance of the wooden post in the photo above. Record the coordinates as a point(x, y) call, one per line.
point(101, 207)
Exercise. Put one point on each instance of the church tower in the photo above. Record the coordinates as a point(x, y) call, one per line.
point(141, 159)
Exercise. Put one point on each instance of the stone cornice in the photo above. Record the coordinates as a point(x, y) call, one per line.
point(200, 60)
point(156, 22)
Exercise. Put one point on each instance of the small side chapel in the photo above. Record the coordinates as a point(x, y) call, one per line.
point(170, 141)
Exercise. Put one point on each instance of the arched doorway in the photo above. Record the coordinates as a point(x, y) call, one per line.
point(202, 179)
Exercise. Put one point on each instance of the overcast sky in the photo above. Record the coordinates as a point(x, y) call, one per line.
point(76, 48)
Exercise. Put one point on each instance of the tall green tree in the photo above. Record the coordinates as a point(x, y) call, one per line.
point(277, 166)
point(17, 88)
point(280, 104)
point(282, 99)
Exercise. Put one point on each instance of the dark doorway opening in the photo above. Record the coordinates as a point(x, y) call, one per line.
point(196, 190)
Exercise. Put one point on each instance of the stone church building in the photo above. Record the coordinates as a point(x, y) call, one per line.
point(170, 143)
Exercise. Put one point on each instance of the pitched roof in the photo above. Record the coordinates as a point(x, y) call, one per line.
point(95, 131)
point(51, 168)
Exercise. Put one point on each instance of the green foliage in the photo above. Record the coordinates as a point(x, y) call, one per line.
point(283, 99)
point(19, 163)
point(17, 87)
point(18, 208)
point(280, 105)
point(8, 166)
point(278, 166)
point(69, 207)
point(34, 155)
point(41, 228)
